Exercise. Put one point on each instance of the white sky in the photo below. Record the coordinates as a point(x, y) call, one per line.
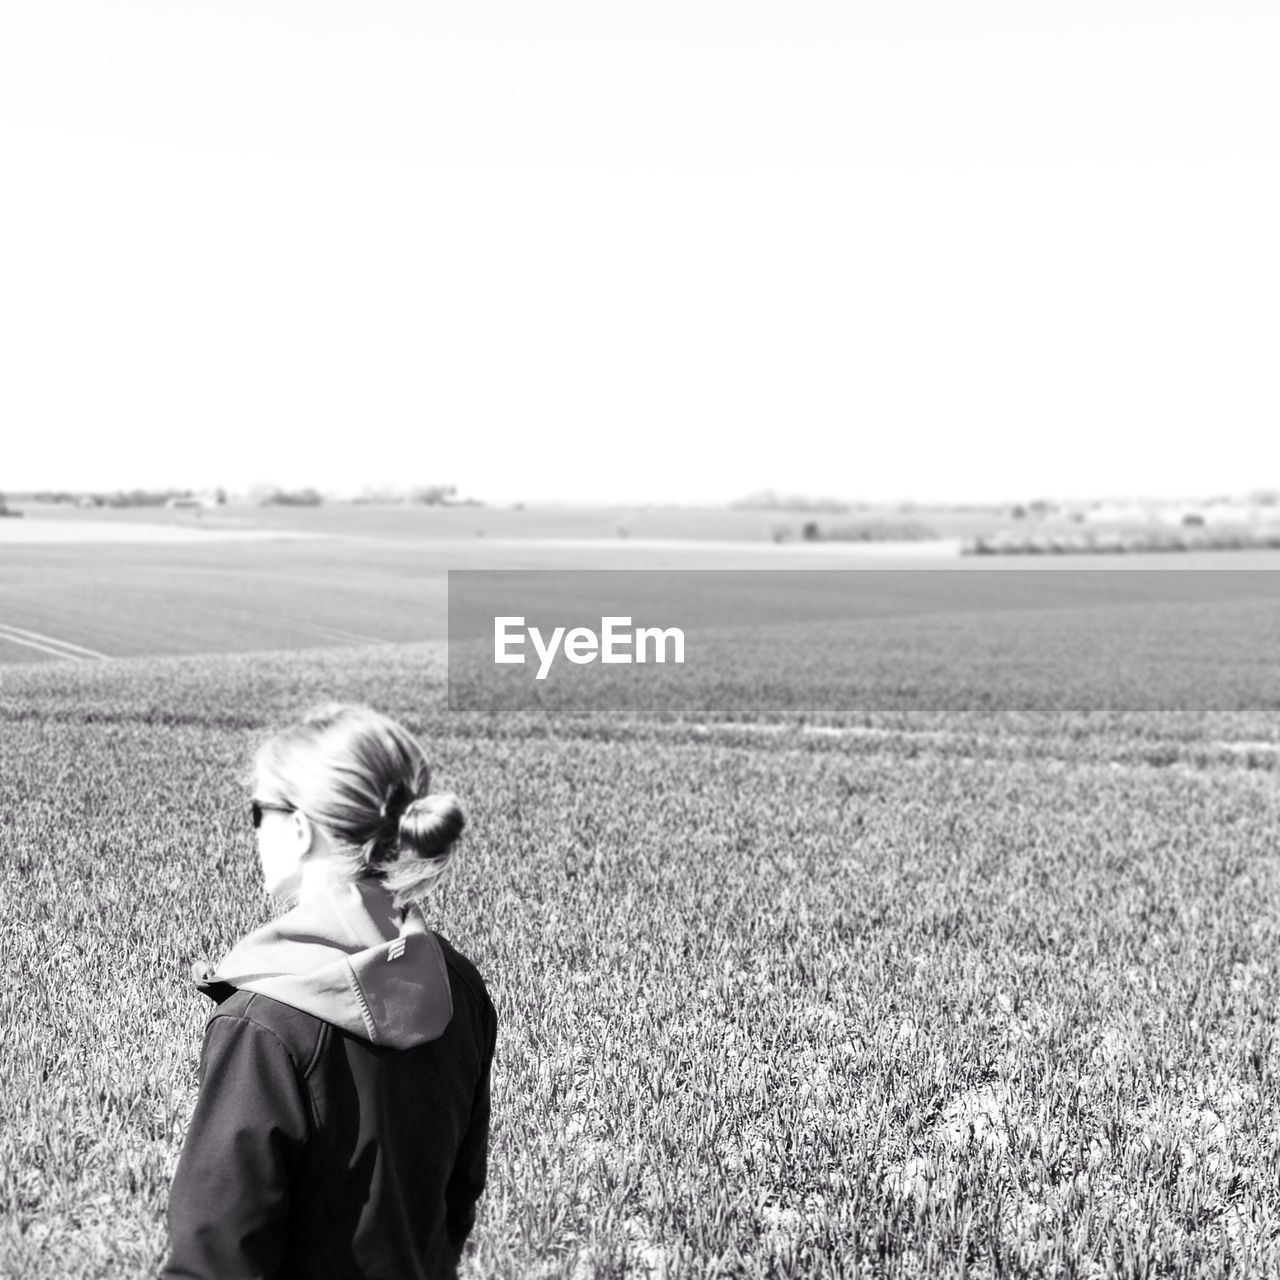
point(662, 251)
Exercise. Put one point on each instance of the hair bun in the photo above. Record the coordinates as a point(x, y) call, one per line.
point(431, 824)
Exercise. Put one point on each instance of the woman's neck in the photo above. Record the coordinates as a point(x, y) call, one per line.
point(321, 876)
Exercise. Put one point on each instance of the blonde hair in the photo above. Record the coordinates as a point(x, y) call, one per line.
point(363, 777)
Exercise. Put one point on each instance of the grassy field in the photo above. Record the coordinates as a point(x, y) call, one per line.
point(370, 575)
point(822, 984)
point(364, 575)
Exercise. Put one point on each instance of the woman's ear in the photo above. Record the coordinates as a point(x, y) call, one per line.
point(303, 832)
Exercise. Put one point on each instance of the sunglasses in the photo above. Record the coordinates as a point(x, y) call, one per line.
point(258, 807)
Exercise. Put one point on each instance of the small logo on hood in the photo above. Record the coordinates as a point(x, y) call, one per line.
point(396, 950)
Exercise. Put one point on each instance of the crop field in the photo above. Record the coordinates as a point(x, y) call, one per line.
point(358, 575)
point(824, 971)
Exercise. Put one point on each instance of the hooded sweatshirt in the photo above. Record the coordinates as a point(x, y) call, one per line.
point(341, 1126)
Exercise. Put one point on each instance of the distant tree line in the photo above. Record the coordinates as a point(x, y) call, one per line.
point(291, 498)
point(1196, 538)
point(860, 531)
point(428, 495)
point(116, 497)
point(425, 495)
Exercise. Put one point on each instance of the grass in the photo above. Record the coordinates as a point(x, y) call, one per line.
point(953, 992)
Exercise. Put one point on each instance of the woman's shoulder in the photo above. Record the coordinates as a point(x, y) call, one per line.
point(296, 1029)
point(464, 969)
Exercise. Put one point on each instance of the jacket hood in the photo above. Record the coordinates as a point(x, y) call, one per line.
point(330, 957)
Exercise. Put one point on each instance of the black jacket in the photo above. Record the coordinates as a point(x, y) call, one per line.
point(319, 1151)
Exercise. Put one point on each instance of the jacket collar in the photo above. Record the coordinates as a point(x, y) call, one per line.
point(330, 957)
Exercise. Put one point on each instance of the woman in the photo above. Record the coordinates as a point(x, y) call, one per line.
point(341, 1128)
